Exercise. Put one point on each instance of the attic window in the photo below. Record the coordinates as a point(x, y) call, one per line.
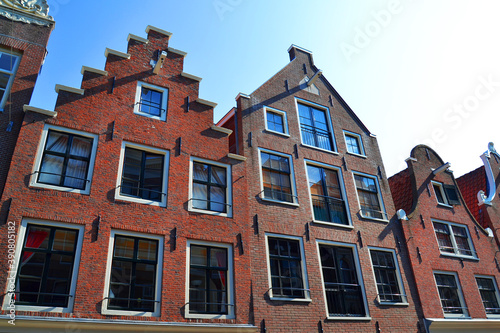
point(446, 194)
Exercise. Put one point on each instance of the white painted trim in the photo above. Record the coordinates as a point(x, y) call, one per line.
point(379, 193)
point(342, 190)
point(359, 276)
point(360, 142)
point(21, 235)
point(497, 294)
point(292, 178)
point(453, 241)
point(242, 95)
point(205, 102)
point(443, 194)
point(230, 280)
point(191, 76)
point(328, 119)
point(164, 32)
point(159, 282)
point(12, 75)
point(237, 157)
point(39, 155)
point(77, 91)
point(283, 117)
point(298, 48)
point(222, 129)
point(307, 293)
point(137, 38)
point(109, 51)
point(93, 70)
point(165, 153)
point(404, 298)
point(179, 52)
point(229, 187)
point(164, 100)
point(27, 108)
point(465, 315)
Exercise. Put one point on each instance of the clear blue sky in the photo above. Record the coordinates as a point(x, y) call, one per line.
point(413, 71)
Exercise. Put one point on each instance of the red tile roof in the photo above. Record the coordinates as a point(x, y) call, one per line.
point(469, 184)
point(401, 190)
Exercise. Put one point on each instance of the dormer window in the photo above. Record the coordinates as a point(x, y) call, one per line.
point(151, 101)
point(445, 194)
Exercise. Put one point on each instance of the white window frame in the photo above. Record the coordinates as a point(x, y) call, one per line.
point(379, 193)
point(107, 279)
point(359, 276)
point(230, 280)
point(328, 119)
point(229, 192)
point(404, 298)
point(12, 74)
point(292, 178)
point(453, 241)
point(165, 153)
point(164, 100)
point(443, 194)
point(342, 189)
point(497, 293)
point(283, 117)
point(307, 293)
point(39, 155)
point(358, 139)
point(21, 236)
point(465, 313)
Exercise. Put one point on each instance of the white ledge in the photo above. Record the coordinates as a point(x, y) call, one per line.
point(116, 53)
point(237, 157)
point(164, 32)
point(179, 52)
point(242, 95)
point(204, 101)
point(93, 70)
point(137, 38)
point(222, 130)
point(191, 76)
point(77, 91)
point(27, 108)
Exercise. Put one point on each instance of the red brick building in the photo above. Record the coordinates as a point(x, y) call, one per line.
point(325, 243)
point(119, 219)
point(24, 33)
point(451, 254)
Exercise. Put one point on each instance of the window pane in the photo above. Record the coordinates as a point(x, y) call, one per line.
point(64, 240)
point(124, 247)
point(200, 171)
point(7, 62)
point(147, 249)
point(4, 81)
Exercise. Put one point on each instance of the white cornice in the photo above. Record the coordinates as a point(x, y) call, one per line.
point(237, 157)
point(179, 52)
point(242, 95)
point(137, 38)
point(191, 76)
point(116, 53)
point(205, 102)
point(93, 70)
point(164, 32)
point(27, 108)
point(77, 91)
point(222, 130)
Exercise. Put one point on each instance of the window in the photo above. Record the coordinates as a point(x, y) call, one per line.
point(8, 68)
point(387, 275)
point(210, 187)
point(450, 294)
point(315, 126)
point(343, 285)
point(369, 197)
point(489, 294)
point(276, 121)
point(327, 194)
point(151, 101)
point(445, 194)
point(48, 255)
point(354, 143)
point(277, 177)
point(65, 160)
point(133, 276)
point(210, 281)
point(286, 267)
point(454, 239)
point(143, 175)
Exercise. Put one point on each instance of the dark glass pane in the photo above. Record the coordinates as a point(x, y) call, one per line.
point(124, 247)
point(147, 249)
point(7, 62)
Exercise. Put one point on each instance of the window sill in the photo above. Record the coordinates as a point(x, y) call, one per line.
point(209, 212)
point(209, 316)
point(61, 188)
point(374, 219)
point(147, 115)
point(394, 304)
point(140, 201)
point(452, 255)
point(320, 149)
point(444, 205)
point(278, 133)
point(129, 313)
point(333, 224)
point(285, 299)
point(280, 202)
point(35, 308)
point(348, 318)
point(456, 317)
point(358, 155)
